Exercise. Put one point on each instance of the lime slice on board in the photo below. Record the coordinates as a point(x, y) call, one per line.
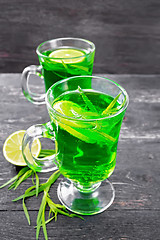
point(67, 55)
point(12, 148)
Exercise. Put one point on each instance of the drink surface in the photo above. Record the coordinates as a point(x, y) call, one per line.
point(86, 149)
point(63, 63)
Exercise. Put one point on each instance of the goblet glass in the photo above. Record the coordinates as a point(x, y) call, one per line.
point(86, 114)
point(59, 58)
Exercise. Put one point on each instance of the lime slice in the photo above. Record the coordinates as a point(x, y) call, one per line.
point(69, 109)
point(75, 128)
point(67, 55)
point(12, 148)
point(84, 131)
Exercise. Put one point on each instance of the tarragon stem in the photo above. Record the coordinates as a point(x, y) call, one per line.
point(42, 187)
point(87, 101)
point(46, 152)
point(24, 205)
point(21, 172)
point(111, 105)
point(37, 184)
point(34, 190)
point(92, 108)
point(24, 177)
point(41, 217)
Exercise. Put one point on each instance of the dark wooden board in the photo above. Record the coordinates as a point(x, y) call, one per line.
point(126, 33)
point(112, 225)
point(135, 212)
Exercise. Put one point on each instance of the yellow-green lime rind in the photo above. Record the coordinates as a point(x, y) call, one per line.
point(67, 56)
point(84, 131)
point(12, 148)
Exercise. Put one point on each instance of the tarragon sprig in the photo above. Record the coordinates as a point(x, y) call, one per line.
point(34, 190)
point(87, 101)
point(93, 109)
point(18, 179)
point(54, 209)
point(46, 152)
point(111, 105)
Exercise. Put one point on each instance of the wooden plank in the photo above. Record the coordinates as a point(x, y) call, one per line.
point(110, 225)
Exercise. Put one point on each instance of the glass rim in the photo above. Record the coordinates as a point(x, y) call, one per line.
point(92, 119)
point(66, 38)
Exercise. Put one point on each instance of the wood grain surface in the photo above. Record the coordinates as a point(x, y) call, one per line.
point(135, 212)
point(126, 33)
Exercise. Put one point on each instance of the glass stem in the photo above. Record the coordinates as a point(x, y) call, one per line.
point(87, 189)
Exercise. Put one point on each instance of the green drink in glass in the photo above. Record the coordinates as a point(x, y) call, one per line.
point(86, 152)
point(59, 58)
point(86, 123)
point(65, 62)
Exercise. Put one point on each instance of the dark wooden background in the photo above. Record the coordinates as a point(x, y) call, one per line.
point(126, 32)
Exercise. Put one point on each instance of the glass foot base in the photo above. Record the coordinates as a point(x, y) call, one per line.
point(85, 203)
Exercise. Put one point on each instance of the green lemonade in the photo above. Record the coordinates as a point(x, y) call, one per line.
point(63, 63)
point(86, 149)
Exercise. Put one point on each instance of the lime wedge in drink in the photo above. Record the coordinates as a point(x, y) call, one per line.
point(67, 55)
point(69, 109)
point(85, 131)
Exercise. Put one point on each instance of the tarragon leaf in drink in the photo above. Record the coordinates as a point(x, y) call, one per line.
point(87, 101)
point(111, 105)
